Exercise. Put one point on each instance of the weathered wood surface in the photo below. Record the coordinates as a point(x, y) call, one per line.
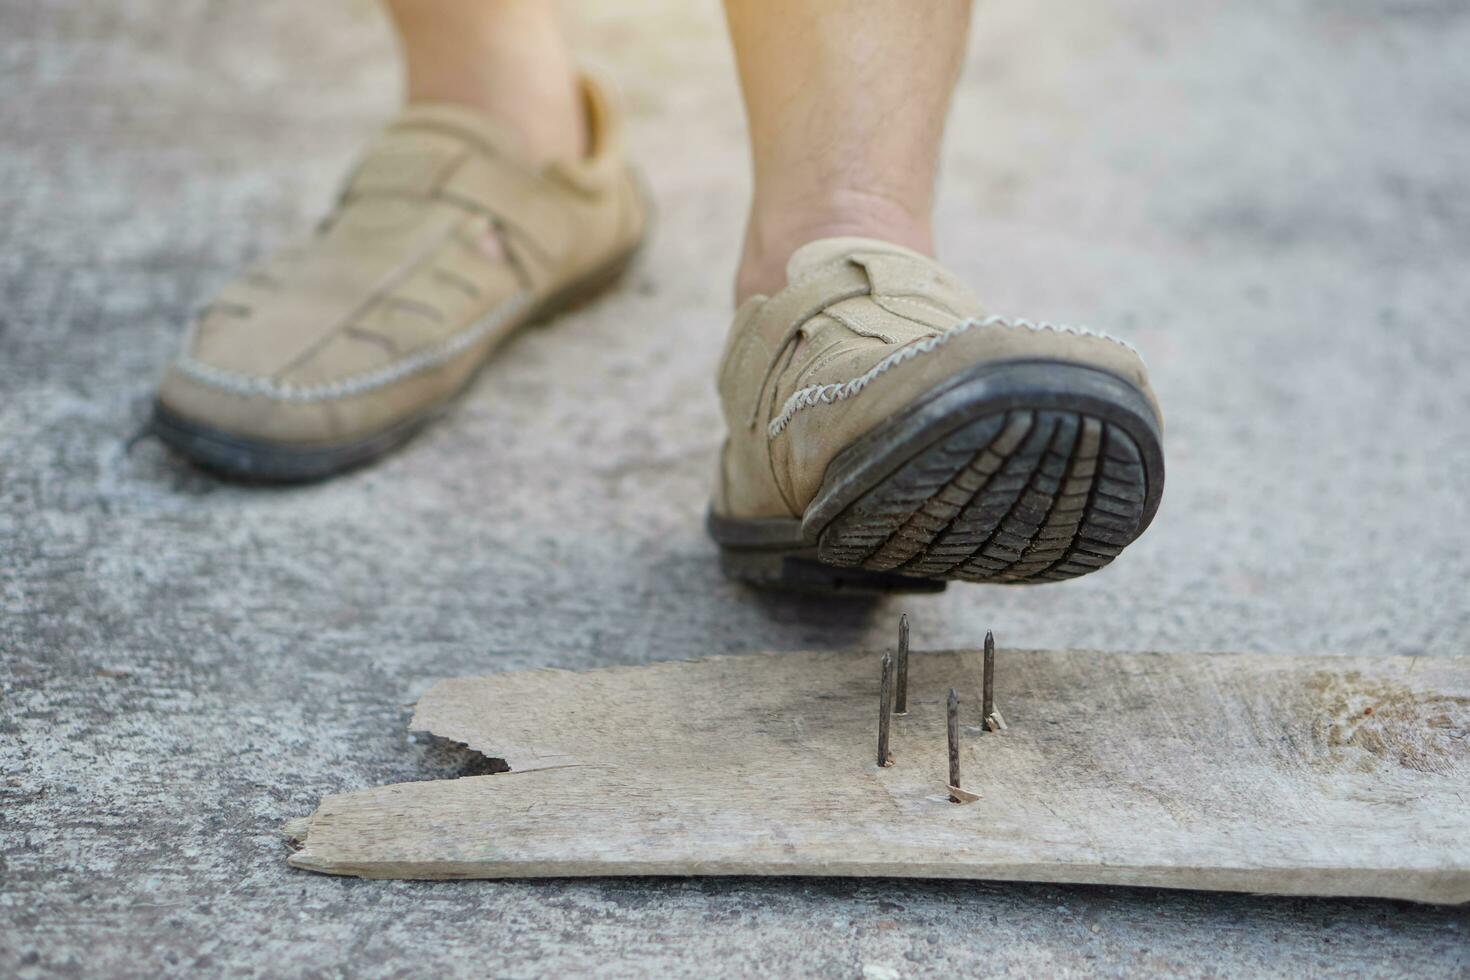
point(1290, 775)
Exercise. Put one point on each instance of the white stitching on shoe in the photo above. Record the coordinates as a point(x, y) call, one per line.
point(429, 357)
point(829, 393)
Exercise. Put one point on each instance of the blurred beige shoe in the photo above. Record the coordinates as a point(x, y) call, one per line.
point(443, 244)
point(887, 433)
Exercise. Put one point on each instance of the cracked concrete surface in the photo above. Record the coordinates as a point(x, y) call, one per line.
point(1270, 200)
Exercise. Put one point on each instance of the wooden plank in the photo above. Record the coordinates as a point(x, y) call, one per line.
point(1290, 775)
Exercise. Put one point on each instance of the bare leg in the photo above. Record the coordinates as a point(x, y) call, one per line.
point(507, 58)
point(846, 101)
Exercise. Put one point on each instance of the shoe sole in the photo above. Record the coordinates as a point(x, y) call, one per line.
point(256, 460)
point(1015, 473)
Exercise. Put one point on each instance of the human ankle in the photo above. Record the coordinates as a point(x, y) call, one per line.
point(508, 60)
point(774, 232)
point(550, 117)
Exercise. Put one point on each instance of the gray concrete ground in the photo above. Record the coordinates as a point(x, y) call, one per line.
point(1271, 199)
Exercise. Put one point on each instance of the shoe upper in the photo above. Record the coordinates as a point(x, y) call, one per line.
point(862, 329)
point(442, 241)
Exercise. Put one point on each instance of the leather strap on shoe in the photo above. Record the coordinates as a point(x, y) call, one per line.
point(453, 155)
point(909, 287)
point(788, 312)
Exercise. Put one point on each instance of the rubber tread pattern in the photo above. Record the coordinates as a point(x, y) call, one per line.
point(1024, 496)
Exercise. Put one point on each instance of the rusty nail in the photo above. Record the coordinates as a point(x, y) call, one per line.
point(901, 689)
point(953, 713)
point(885, 710)
point(987, 700)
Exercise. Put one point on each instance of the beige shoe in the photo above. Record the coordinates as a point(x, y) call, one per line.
point(442, 245)
point(886, 433)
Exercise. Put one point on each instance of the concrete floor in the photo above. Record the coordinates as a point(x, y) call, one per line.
point(1271, 200)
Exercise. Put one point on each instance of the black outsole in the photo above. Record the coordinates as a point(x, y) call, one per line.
point(803, 571)
point(249, 460)
point(1017, 473)
point(1020, 497)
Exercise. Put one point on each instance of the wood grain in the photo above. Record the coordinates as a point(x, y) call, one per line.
point(1289, 775)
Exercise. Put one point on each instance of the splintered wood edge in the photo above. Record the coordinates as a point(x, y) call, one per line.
point(297, 828)
point(425, 708)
